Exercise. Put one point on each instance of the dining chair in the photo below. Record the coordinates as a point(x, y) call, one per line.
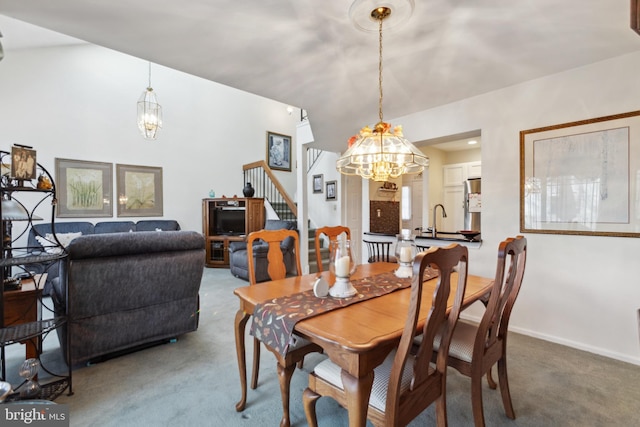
point(379, 251)
point(405, 384)
point(277, 239)
point(476, 348)
point(332, 233)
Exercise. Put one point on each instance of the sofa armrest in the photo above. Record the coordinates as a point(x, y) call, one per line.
point(237, 246)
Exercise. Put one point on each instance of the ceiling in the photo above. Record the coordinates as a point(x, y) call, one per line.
point(310, 55)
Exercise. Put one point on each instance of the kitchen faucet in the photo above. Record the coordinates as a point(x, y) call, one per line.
point(434, 233)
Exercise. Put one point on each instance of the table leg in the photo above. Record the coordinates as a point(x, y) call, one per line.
point(357, 391)
point(240, 325)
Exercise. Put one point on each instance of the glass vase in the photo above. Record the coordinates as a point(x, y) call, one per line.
point(342, 265)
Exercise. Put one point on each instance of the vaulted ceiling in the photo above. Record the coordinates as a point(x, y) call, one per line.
point(309, 54)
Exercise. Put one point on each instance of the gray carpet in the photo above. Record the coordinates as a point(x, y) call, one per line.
point(194, 382)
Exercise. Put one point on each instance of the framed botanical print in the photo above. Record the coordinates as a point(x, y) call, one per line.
point(139, 190)
point(84, 188)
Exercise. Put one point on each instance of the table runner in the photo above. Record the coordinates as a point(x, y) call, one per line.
point(274, 320)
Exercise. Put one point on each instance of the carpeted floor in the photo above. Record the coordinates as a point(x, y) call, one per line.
point(194, 382)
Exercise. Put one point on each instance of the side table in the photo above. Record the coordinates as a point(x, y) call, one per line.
point(23, 306)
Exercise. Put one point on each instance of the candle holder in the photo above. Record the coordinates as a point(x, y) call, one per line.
point(28, 371)
point(405, 253)
point(342, 266)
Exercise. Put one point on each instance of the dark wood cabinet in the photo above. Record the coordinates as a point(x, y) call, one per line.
point(226, 220)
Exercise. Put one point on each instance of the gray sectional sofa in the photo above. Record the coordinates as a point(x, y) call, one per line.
point(125, 290)
point(38, 232)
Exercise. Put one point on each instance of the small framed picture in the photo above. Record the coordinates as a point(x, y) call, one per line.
point(279, 151)
point(331, 190)
point(317, 183)
point(23, 163)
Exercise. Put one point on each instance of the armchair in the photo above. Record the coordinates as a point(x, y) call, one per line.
point(238, 260)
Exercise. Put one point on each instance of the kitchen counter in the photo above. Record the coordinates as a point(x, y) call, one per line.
point(445, 240)
point(425, 239)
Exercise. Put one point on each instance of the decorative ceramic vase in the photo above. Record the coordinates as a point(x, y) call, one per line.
point(248, 190)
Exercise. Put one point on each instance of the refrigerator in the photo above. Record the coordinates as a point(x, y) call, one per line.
point(472, 204)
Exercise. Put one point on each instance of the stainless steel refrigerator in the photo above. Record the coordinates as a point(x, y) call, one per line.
point(472, 204)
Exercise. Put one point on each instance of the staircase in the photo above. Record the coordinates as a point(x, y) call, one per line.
point(266, 185)
point(324, 253)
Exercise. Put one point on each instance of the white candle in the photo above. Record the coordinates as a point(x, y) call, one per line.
point(405, 254)
point(342, 266)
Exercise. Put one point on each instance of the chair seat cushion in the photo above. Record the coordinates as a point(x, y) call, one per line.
point(461, 346)
point(330, 372)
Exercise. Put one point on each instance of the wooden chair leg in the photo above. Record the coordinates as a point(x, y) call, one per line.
point(504, 388)
point(476, 400)
point(309, 399)
point(492, 383)
point(441, 411)
point(256, 363)
point(284, 376)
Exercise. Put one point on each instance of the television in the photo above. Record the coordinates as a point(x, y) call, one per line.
point(229, 222)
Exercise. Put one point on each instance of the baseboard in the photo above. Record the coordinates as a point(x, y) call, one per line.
point(569, 343)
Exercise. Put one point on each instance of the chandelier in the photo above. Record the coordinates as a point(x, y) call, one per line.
point(149, 112)
point(382, 152)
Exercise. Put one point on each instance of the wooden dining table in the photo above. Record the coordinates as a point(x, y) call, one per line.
point(357, 337)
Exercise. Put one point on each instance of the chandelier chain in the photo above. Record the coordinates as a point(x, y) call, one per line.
point(380, 69)
point(149, 86)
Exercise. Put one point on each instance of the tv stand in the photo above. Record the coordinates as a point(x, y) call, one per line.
point(217, 242)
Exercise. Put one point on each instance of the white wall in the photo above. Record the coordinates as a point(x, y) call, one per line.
point(323, 212)
point(581, 291)
point(79, 102)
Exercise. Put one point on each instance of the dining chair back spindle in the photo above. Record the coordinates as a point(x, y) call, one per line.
point(405, 384)
point(476, 348)
point(332, 233)
point(278, 270)
point(379, 251)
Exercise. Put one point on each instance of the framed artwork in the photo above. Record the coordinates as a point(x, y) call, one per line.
point(139, 190)
point(331, 190)
point(279, 151)
point(580, 177)
point(317, 183)
point(84, 188)
point(23, 163)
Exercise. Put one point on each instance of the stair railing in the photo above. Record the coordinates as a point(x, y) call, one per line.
point(312, 157)
point(266, 185)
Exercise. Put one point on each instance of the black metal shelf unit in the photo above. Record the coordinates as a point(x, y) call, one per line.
point(21, 198)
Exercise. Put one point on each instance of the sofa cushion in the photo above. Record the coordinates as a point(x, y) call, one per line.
point(114, 227)
point(49, 243)
point(157, 224)
point(61, 227)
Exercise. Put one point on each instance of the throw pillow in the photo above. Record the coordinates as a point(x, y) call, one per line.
point(63, 238)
